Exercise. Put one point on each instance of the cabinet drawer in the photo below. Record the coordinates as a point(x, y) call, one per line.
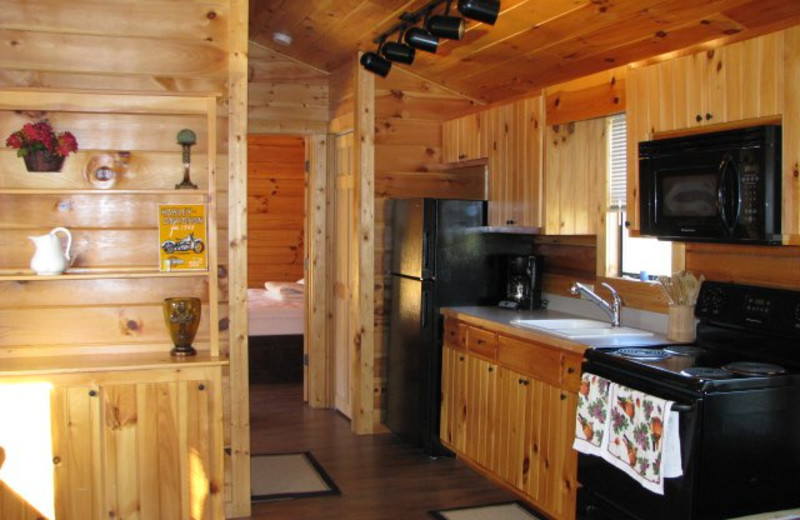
point(455, 334)
point(534, 360)
point(571, 372)
point(482, 342)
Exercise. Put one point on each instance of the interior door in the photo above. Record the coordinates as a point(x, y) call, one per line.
point(343, 273)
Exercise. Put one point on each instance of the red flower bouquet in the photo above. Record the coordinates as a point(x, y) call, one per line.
point(40, 136)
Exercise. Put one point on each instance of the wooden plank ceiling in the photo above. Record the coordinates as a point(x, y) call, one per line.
point(533, 44)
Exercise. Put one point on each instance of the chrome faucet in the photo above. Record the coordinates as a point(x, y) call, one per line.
point(612, 310)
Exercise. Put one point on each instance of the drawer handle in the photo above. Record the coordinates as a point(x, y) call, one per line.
point(92, 393)
point(570, 370)
point(480, 342)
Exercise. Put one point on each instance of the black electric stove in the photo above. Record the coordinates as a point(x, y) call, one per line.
point(737, 390)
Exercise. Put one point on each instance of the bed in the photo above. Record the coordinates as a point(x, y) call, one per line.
point(275, 336)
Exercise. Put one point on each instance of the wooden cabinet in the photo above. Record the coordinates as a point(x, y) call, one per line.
point(739, 82)
point(139, 445)
point(513, 415)
point(136, 433)
point(509, 136)
point(575, 177)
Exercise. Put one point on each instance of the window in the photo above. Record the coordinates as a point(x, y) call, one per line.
point(634, 255)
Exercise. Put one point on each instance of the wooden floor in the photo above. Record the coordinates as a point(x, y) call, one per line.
point(380, 477)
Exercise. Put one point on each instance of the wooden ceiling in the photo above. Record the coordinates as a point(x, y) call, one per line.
point(533, 44)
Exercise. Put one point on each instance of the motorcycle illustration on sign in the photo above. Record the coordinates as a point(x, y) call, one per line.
point(189, 243)
point(182, 237)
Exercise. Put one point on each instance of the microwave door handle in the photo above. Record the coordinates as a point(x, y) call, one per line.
point(729, 186)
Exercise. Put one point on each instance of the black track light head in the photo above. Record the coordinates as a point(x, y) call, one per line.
point(372, 62)
point(444, 26)
point(422, 39)
point(485, 11)
point(399, 52)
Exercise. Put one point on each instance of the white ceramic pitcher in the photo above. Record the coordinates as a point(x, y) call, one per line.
point(50, 257)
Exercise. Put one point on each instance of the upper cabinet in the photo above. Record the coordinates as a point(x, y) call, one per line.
point(739, 82)
point(574, 178)
point(509, 137)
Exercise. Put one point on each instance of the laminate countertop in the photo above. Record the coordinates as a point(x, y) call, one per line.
point(500, 320)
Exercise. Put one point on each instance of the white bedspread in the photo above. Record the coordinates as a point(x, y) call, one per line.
point(269, 316)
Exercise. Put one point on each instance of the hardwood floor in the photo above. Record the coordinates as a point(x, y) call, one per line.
point(380, 477)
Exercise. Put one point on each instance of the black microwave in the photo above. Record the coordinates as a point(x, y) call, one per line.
point(713, 187)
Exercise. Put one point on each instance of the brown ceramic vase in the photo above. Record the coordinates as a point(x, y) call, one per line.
point(182, 316)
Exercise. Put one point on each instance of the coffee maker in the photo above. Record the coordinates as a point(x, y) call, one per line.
point(523, 282)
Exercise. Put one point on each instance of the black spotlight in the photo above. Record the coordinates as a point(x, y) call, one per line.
point(399, 52)
point(421, 39)
point(451, 27)
point(374, 63)
point(481, 10)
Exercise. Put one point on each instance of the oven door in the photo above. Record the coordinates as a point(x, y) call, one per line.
point(607, 493)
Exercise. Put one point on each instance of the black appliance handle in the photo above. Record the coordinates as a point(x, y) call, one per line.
point(425, 254)
point(424, 309)
point(729, 193)
point(682, 408)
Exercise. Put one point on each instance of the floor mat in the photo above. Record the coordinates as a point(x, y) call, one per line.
point(283, 476)
point(506, 511)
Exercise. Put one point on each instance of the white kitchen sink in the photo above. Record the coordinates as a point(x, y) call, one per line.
point(581, 329)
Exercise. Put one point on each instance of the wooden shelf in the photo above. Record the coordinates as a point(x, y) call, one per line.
point(183, 193)
point(38, 366)
point(10, 275)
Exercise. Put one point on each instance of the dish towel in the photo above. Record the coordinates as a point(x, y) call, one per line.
point(640, 433)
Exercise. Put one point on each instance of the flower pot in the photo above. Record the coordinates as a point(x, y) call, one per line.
point(43, 161)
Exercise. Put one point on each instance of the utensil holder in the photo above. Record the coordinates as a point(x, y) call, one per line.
point(680, 323)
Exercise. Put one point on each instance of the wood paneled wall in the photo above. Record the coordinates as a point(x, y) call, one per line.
point(285, 97)
point(275, 208)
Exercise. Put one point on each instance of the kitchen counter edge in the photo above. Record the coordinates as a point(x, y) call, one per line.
point(499, 320)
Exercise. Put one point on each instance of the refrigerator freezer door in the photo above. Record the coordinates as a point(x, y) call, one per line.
point(412, 238)
point(408, 359)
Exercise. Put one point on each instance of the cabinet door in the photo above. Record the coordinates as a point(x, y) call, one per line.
point(549, 430)
point(77, 456)
point(481, 411)
point(513, 141)
point(166, 426)
point(513, 461)
point(574, 177)
point(453, 428)
point(461, 139)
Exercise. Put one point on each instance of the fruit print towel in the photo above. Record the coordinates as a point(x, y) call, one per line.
point(592, 414)
point(636, 432)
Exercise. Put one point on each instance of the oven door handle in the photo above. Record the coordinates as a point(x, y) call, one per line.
point(682, 408)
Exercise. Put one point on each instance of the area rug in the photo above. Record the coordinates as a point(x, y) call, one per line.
point(282, 476)
point(505, 511)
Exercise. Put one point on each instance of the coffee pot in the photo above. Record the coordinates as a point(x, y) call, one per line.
point(51, 258)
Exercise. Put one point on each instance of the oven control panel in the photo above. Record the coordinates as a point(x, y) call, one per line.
point(750, 307)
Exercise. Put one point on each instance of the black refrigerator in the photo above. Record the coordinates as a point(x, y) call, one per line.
point(442, 256)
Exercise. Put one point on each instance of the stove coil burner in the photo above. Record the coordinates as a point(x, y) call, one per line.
point(707, 373)
point(684, 350)
point(752, 368)
point(644, 354)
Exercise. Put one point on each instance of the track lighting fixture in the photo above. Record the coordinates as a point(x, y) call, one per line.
point(372, 62)
point(426, 36)
point(485, 11)
point(422, 39)
point(446, 26)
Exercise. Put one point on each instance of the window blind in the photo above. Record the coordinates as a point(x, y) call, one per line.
point(617, 161)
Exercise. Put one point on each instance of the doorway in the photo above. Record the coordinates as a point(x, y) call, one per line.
point(276, 250)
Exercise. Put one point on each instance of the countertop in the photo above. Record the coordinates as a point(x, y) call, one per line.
point(500, 320)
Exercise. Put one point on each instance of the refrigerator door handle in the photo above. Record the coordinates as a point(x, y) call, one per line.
point(424, 310)
point(426, 264)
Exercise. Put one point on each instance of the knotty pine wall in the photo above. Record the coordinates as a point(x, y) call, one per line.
point(285, 97)
point(275, 209)
point(173, 46)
